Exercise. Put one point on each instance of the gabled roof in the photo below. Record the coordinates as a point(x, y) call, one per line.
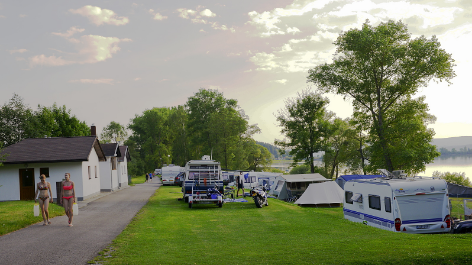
point(314, 177)
point(55, 149)
point(124, 153)
point(111, 149)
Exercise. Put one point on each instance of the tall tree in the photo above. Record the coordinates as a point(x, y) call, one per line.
point(16, 121)
point(57, 121)
point(178, 120)
point(114, 132)
point(378, 67)
point(304, 125)
point(259, 158)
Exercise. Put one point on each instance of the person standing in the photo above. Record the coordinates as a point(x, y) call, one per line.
point(44, 189)
point(147, 177)
point(150, 177)
point(240, 182)
point(68, 197)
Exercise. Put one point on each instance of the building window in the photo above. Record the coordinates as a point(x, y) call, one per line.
point(348, 195)
point(374, 202)
point(89, 174)
point(388, 205)
point(96, 176)
point(45, 171)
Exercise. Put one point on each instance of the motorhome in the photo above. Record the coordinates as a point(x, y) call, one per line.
point(169, 173)
point(200, 176)
point(409, 205)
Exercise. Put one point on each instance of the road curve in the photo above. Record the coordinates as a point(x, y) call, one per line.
point(97, 224)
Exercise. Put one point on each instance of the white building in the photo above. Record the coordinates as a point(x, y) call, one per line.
point(25, 161)
point(109, 168)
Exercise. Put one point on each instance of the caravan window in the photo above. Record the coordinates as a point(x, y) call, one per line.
point(388, 205)
point(357, 197)
point(374, 202)
point(348, 195)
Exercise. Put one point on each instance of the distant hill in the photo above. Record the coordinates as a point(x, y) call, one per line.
point(274, 150)
point(453, 142)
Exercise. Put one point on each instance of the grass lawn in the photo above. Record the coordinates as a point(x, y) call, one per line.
point(15, 215)
point(166, 231)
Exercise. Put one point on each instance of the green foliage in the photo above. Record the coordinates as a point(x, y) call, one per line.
point(300, 169)
point(380, 68)
point(113, 132)
point(304, 122)
point(259, 157)
point(18, 122)
point(453, 177)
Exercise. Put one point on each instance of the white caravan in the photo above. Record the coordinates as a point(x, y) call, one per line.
point(200, 176)
point(409, 205)
point(169, 173)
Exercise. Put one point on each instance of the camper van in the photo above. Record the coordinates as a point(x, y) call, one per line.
point(169, 173)
point(409, 205)
point(201, 175)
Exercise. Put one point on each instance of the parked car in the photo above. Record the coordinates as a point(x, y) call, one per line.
point(179, 179)
point(462, 227)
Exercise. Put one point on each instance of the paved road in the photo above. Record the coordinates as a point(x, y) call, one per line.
point(97, 224)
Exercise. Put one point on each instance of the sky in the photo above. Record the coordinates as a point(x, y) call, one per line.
point(111, 60)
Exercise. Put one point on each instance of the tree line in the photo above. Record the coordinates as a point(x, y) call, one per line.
point(453, 151)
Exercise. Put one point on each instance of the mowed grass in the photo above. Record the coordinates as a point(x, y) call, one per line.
point(166, 231)
point(15, 215)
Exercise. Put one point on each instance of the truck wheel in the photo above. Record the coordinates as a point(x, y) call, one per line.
point(220, 204)
point(190, 205)
point(186, 199)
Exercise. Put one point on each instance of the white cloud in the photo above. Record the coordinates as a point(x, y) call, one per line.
point(106, 81)
point(156, 15)
point(281, 81)
point(43, 60)
point(100, 16)
point(18, 51)
point(199, 17)
point(137, 79)
point(90, 49)
point(265, 61)
point(69, 32)
point(2, 16)
point(207, 13)
point(23, 15)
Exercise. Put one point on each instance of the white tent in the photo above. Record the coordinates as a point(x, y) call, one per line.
point(324, 194)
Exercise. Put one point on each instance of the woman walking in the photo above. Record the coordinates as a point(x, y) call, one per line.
point(68, 197)
point(44, 189)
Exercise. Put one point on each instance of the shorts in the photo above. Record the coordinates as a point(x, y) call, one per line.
point(240, 186)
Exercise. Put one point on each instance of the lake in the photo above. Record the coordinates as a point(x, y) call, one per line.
point(450, 164)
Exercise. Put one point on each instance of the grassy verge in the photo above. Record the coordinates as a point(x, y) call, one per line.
point(166, 231)
point(15, 215)
point(138, 180)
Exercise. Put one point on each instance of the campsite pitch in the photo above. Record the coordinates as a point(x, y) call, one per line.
point(166, 231)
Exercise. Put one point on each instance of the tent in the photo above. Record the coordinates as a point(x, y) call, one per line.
point(295, 184)
point(324, 194)
point(345, 178)
point(455, 190)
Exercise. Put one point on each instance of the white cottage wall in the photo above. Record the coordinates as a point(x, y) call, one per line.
point(105, 175)
point(123, 173)
point(90, 178)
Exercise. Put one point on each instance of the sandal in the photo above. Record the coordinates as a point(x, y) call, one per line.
point(70, 225)
point(49, 222)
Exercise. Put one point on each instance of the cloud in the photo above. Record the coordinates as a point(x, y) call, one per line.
point(18, 51)
point(2, 16)
point(207, 13)
point(137, 79)
point(23, 15)
point(281, 81)
point(156, 15)
point(100, 16)
point(43, 60)
point(106, 81)
point(200, 17)
point(89, 49)
point(69, 32)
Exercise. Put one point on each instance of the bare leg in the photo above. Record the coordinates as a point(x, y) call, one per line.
point(68, 209)
point(46, 210)
point(41, 206)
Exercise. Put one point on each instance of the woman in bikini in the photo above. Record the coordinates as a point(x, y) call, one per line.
point(68, 197)
point(44, 189)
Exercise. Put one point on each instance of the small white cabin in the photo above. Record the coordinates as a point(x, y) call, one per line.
point(409, 205)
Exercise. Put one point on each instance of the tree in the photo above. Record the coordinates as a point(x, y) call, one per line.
point(57, 121)
point(454, 177)
point(16, 121)
point(378, 68)
point(300, 169)
point(178, 120)
point(113, 132)
point(303, 122)
point(337, 152)
point(259, 158)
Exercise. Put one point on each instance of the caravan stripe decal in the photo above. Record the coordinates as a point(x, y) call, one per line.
point(370, 218)
point(385, 222)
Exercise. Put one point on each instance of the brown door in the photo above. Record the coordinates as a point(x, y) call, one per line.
point(27, 184)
